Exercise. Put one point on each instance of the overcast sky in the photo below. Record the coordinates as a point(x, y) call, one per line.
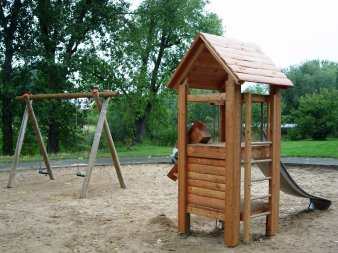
point(288, 31)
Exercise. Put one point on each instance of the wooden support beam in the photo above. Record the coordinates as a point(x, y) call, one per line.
point(272, 223)
point(110, 141)
point(222, 120)
point(183, 215)
point(18, 148)
point(247, 168)
point(233, 163)
point(38, 136)
point(104, 94)
point(256, 98)
point(207, 98)
point(94, 148)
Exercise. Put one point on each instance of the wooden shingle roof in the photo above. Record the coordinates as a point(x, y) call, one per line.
point(212, 59)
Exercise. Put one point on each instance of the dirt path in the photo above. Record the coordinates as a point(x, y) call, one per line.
point(39, 215)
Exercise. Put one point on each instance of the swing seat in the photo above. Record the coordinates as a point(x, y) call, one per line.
point(44, 172)
point(79, 174)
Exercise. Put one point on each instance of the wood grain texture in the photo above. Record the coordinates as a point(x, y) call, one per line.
point(206, 161)
point(206, 185)
point(39, 138)
point(247, 168)
point(206, 177)
point(206, 212)
point(183, 217)
point(272, 224)
point(206, 192)
point(206, 201)
point(94, 148)
point(111, 144)
point(206, 169)
point(18, 147)
point(103, 94)
point(232, 176)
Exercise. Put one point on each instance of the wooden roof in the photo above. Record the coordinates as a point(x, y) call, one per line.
point(212, 59)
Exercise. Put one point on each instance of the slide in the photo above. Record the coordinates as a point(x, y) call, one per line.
point(289, 186)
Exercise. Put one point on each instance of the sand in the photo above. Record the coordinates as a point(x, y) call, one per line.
point(39, 215)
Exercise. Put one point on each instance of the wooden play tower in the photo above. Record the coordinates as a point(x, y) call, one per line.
point(209, 175)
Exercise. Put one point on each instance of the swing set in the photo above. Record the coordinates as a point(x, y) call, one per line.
point(101, 125)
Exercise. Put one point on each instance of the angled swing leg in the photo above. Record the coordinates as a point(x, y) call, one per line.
point(95, 147)
point(18, 148)
point(39, 137)
point(111, 145)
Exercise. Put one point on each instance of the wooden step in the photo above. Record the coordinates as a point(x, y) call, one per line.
point(260, 214)
point(260, 197)
point(260, 179)
point(261, 161)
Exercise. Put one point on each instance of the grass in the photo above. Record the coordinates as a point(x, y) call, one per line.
point(305, 148)
point(310, 148)
point(134, 151)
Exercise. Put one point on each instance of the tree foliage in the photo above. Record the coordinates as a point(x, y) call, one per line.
point(316, 116)
point(62, 28)
point(149, 48)
point(308, 78)
point(15, 23)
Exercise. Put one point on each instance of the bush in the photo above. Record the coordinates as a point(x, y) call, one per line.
point(317, 115)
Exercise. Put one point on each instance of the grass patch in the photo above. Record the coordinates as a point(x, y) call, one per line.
point(305, 148)
point(310, 148)
point(122, 151)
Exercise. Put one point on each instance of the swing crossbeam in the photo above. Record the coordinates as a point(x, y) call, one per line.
point(104, 94)
point(101, 125)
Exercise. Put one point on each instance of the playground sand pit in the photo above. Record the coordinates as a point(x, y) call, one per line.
point(39, 215)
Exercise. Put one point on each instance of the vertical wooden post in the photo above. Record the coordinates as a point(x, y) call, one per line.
point(95, 147)
point(183, 216)
point(274, 168)
point(247, 166)
point(233, 163)
point(110, 141)
point(222, 123)
point(39, 137)
point(18, 148)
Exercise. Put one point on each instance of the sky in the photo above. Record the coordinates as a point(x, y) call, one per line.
point(288, 31)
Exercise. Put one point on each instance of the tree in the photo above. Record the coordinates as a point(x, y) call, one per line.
point(15, 21)
point(149, 49)
point(317, 115)
point(308, 78)
point(63, 27)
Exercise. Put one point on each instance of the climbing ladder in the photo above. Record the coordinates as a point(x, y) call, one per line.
point(248, 181)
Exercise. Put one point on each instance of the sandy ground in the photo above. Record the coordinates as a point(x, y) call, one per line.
point(39, 215)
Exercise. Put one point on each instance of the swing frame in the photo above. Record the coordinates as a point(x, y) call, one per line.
point(101, 125)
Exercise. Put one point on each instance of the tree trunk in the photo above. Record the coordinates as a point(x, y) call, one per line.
point(142, 123)
point(7, 129)
point(53, 145)
point(9, 25)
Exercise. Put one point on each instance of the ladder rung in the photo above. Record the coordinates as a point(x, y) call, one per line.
point(261, 197)
point(258, 143)
point(261, 179)
point(259, 214)
point(261, 161)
